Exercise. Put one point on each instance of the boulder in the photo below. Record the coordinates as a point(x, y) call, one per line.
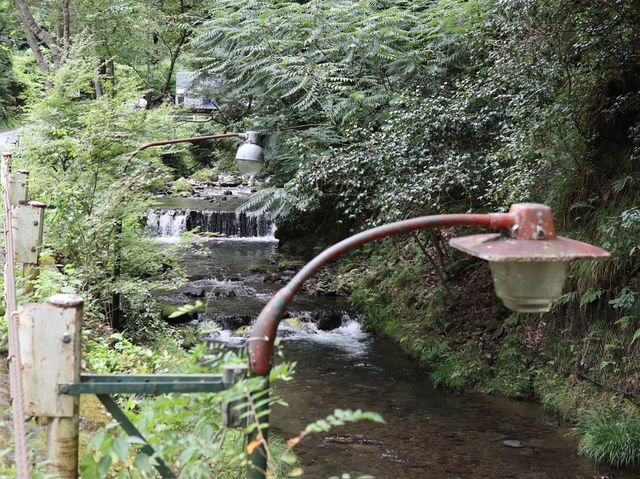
point(229, 180)
point(328, 319)
point(234, 322)
point(513, 443)
point(181, 186)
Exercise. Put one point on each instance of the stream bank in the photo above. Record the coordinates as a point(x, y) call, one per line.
point(459, 331)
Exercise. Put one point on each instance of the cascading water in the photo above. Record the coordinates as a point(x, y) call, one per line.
point(173, 223)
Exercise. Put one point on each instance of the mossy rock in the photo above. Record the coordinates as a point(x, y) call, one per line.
point(298, 324)
point(181, 186)
point(208, 175)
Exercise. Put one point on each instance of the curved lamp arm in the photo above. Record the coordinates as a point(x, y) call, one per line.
point(243, 136)
point(265, 328)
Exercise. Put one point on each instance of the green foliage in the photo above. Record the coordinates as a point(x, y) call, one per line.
point(76, 148)
point(198, 445)
point(287, 264)
point(118, 355)
point(513, 376)
point(460, 371)
point(207, 175)
point(610, 437)
point(10, 88)
point(315, 67)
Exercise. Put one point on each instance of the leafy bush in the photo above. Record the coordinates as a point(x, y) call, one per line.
point(77, 149)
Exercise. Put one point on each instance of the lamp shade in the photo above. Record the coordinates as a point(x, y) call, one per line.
point(528, 275)
point(529, 287)
point(250, 156)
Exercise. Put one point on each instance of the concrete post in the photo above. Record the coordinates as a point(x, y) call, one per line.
point(50, 338)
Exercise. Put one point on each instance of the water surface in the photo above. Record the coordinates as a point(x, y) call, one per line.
point(430, 433)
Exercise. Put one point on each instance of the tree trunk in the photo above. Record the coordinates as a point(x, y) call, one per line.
point(29, 24)
point(172, 64)
point(43, 65)
point(66, 21)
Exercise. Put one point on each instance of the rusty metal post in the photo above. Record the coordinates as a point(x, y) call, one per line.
point(50, 336)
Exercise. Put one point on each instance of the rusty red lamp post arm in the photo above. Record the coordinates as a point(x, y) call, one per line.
point(264, 331)
point(188, 140)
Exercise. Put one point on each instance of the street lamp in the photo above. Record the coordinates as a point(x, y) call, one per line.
point(528, 262)
point(249, 157)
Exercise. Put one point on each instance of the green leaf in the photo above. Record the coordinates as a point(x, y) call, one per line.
point(97, 440)
point(187, 308)
point(104, 465)
point(121, 448)
point(136, 440)
point(88, 467)
point(142, 462)
point(186, 455)
point(297, 472)
point(289, 458)
point(590, 296)
point(636, 335)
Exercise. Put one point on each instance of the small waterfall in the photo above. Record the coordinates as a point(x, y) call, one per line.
point(172, 223)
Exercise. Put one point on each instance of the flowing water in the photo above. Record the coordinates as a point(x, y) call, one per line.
point(430, 433)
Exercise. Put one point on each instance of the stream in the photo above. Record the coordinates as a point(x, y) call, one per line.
point(430, 433)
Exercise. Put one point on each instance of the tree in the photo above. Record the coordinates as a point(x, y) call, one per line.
point(77, 148)
point(36, 33)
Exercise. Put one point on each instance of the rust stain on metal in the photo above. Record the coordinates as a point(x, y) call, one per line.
point(493, 247)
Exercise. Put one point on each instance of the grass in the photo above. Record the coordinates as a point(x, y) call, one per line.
point(610, 437)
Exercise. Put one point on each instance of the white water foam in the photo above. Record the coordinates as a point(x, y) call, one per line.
point(227, 337)
point(350, 338)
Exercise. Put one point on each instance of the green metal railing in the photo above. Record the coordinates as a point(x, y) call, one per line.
point(103, 386)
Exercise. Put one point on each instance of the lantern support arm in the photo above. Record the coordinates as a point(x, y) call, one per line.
point(243, 136)
point(265, 328)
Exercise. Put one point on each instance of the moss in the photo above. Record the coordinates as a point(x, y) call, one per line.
point(182, 186)
point(208, 175)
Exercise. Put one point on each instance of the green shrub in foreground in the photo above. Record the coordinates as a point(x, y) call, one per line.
point(610, 437)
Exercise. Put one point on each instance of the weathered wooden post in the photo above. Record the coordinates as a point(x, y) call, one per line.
point(50, 336)
point(27, 219)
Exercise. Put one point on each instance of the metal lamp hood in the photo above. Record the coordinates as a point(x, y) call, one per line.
point(529, 268)
point(250, 155)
